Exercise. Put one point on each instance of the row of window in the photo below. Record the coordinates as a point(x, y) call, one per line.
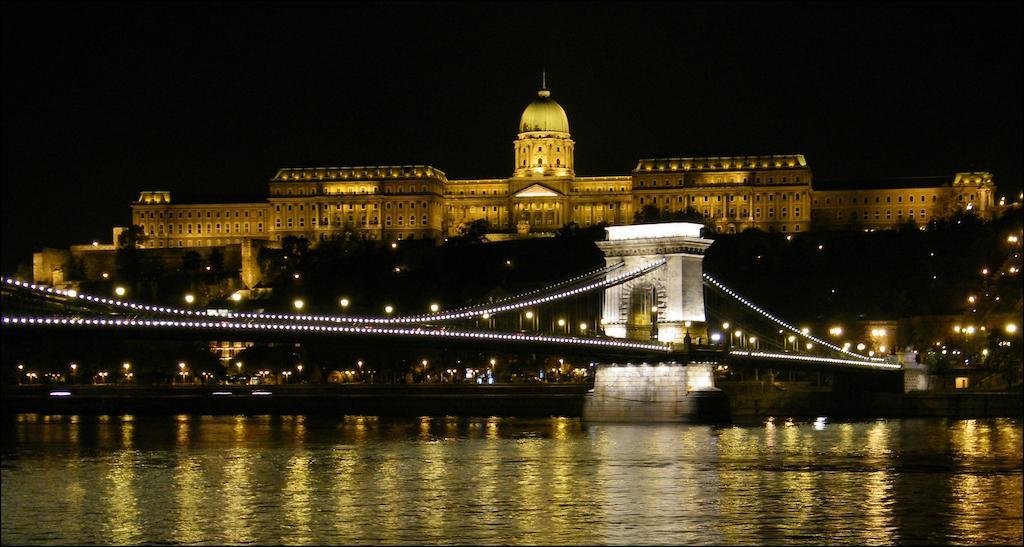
point(878, 214)
point(325, 207)
point(187, 228)
point(716, 180)
point(199, 214)
point(888, 199)
point(371, 190)
point(718, 198)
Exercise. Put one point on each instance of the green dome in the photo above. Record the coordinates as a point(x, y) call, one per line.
point(544, 114)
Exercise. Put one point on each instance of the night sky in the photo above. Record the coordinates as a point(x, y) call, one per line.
point(101, 101)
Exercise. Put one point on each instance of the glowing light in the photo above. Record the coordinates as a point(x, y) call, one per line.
point(660, 230)
point(237, 297)
point(344, 302)
point(861, 346)
point(434, 308)
point(529, 315)
point(389, 309)
point(836, 331)
point(190, 298)
point(72, 293)
point(1010, 328)
point(119, 290)
point(561, 322)
point(106, 275)
point(298, 303)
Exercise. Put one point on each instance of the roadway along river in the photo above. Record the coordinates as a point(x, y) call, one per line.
point(358, 480)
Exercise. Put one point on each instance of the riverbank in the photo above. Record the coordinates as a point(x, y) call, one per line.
point(533, 400)
point(530, 400)
point(918, 404)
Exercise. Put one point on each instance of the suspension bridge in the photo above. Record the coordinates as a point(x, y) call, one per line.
point(656, 347)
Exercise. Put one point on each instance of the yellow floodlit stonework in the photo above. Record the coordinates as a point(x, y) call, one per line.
point(774, 192)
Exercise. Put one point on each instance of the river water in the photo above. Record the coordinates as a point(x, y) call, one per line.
point(363, 480)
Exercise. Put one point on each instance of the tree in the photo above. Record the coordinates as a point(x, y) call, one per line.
point(191, 262)
point(648, 214)
point(131, 237)
point(689, 215)
point(216, 260)
point(474, 231)
point(128, 258)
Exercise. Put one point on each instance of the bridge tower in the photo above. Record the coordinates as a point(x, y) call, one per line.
point(667, 303)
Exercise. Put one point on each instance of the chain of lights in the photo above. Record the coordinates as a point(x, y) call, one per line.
point(492, 309)
point(812, 358)
point(600, 271)
point(416, 331)
point(446, 316)
point(782, 323)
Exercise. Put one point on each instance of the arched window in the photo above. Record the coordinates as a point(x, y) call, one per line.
point(540, 161)
point(558, 161)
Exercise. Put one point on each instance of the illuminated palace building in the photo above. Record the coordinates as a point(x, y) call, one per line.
point(771, 193)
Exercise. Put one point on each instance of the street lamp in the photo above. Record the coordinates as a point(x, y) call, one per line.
point(189, 298)
point(119, 290)
point(298, 303)
point(344, 303)
point(389, 309)
point(583, 328)
point(434, 308)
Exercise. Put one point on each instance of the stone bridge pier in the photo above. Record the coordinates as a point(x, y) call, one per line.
point(666, 305)
point(654, 393)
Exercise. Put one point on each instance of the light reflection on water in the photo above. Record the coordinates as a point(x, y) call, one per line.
point(317, 480)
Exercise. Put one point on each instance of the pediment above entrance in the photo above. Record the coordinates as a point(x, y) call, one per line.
point(537, 191)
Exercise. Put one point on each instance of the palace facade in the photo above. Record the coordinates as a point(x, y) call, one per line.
point(543, 193)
